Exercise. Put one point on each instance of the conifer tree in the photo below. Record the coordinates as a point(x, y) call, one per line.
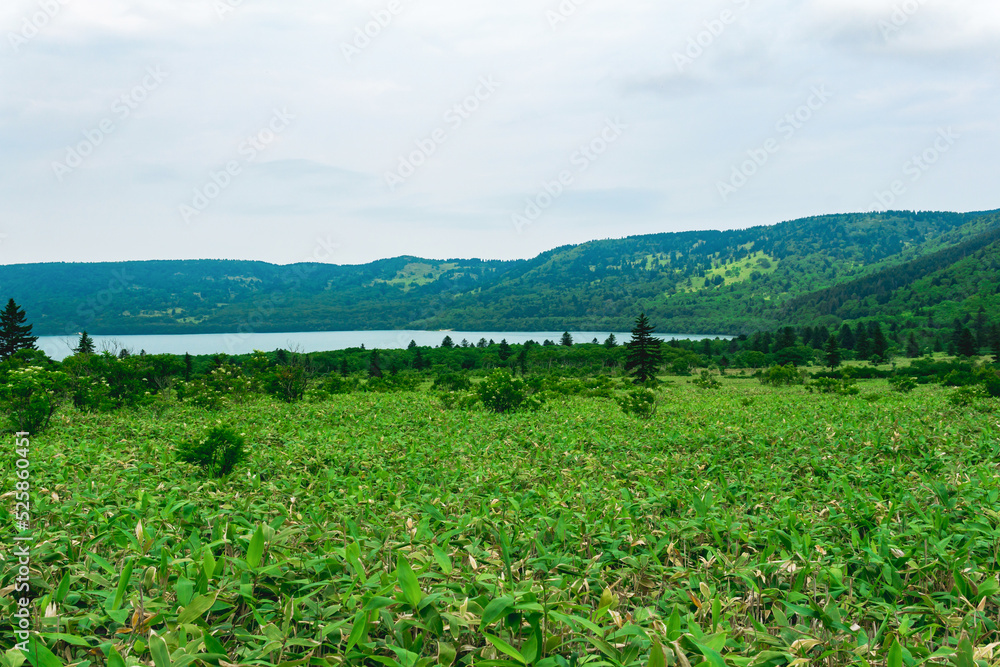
point(832, 353)
point(15, 333)
point(85, 346)
point(567, 340)
point(912, 347)
point(644, 354)
point(611, 342)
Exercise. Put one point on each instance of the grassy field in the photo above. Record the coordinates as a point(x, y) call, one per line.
point(744, 526)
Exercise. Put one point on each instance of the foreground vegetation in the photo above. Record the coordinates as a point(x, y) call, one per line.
point(742, 524)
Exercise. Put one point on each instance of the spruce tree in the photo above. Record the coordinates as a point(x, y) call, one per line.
point(611, 342)
point(643, 354)
point(863, 344)
point(447, 343)
point(995, 342)
point(374, 366)
point(832, 352)
point(566, 340)
point(85, 346)
point(966, 344)
point(846, 339)
point(912, 347)
point(505, 352)
point(880, 346)
point(15, 334)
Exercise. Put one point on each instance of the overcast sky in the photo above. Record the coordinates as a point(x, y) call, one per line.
point(349, 131)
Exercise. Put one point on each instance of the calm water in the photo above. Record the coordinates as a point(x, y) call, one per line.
point(60, 347)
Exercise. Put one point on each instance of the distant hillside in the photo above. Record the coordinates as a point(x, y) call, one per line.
point(818, 270)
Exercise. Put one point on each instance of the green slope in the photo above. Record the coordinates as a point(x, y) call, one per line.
point(695, 282)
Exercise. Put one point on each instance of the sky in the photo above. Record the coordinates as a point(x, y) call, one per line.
point(344, 132)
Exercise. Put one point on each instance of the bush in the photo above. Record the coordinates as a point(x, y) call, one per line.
point(778, 376)
point(459, 400)
point(967, 396)
point(287, 383)
point(31, 396)
point(500, 392)
point(451, 382)
point(706, 381)
point(903, 384)
point(639, 403)
point(845, 386)
point(218, 453)
point(335, 384)
point(388, 384)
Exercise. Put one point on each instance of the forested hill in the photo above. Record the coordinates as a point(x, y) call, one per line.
point(897, 266)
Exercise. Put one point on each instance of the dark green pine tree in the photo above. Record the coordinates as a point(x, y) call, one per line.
point(982, 329)
point(831, 352)
point(188, 366)
point(374, 366)
point(505, 352)
point(995, 342)
point(566, 339)
point(912, 347)
point(15, 334)
point(846, 339)
point(862, 343)
point(85, 346)
point(966, 344)
point(611, 342)
point(448, 343)
point(643, 353)
point(880, 346)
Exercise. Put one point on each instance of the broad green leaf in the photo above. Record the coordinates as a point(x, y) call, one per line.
point(256, 549)
point(39, 654)
point(63, 588)
point(196, 608)
point(446, 654)
point(14, 658)
point(895, 658)
point(115, 659)
point(501, 645)
point(496, 609)
point(443, 560)
point(408, 582)
point(158, 648)
point(965, 657)
point(123, 582)
point(656, 656)
point(358, 631)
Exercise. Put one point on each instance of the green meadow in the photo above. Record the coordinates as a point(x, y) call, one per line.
point(742, 525)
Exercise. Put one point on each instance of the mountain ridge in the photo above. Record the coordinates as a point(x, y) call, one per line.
point(709, 281)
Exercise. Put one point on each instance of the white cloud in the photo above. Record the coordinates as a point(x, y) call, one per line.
point(558, 85)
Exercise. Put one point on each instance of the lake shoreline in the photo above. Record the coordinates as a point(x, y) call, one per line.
point(60, 347)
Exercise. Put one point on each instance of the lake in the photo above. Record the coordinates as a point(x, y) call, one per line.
point(60, 347)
